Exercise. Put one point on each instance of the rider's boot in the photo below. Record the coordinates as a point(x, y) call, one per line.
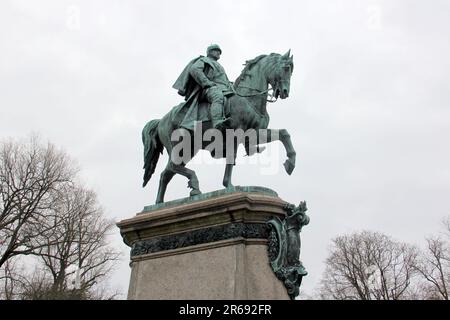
point(217, 119)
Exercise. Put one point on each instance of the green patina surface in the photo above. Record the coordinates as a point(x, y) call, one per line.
point(216, 103)
point(209, 195)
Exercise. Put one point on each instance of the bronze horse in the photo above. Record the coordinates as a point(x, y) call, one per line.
point(246, 110)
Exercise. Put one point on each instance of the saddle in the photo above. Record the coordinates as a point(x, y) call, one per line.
point(185, 117)
point(204, 113)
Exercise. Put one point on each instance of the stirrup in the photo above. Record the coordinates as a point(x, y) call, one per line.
point(219, 124)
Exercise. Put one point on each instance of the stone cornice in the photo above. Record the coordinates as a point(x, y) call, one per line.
point(233, 207)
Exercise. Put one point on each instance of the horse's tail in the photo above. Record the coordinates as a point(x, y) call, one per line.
point(152, 148)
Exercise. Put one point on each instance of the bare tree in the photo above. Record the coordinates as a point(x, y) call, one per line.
point(368, 266)
point(46, 215)
point(12, 280)
point(31, 176)
point(75, 251)
point(434, 265)
point(38, 287)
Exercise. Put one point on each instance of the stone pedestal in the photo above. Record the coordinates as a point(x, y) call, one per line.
point(211, 246)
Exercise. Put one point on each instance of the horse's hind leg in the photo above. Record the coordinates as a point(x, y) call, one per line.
point(190, 174)
point(166, 176)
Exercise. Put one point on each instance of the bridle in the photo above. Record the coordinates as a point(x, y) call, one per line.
point(271, 96)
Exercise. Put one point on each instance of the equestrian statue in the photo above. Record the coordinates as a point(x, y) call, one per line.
point(214, 104)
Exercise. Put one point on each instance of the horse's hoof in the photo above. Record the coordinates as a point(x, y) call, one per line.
point(228, 185)
point(260, 149)
point(195, 193)
point(289, 166)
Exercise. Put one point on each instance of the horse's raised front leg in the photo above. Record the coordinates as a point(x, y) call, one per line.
point(269, 135)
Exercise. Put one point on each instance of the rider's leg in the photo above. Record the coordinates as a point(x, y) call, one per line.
point(216, 98)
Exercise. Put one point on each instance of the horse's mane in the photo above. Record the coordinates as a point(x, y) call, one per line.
point(248, 66)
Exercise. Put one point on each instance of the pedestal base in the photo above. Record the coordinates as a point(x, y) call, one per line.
point(214, 247)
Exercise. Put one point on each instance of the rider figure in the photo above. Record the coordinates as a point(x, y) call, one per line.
point(209, 74)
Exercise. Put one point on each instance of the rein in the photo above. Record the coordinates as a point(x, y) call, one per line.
point(257, 94)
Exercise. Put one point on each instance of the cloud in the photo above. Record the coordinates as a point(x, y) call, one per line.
point(368, 111)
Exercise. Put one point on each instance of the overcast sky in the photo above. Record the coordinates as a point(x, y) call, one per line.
point(368, 112)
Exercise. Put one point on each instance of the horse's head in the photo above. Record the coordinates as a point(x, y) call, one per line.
point(274, 69)
point(280, 76)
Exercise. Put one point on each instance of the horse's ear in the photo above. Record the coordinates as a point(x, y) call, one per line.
point(286, 55)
